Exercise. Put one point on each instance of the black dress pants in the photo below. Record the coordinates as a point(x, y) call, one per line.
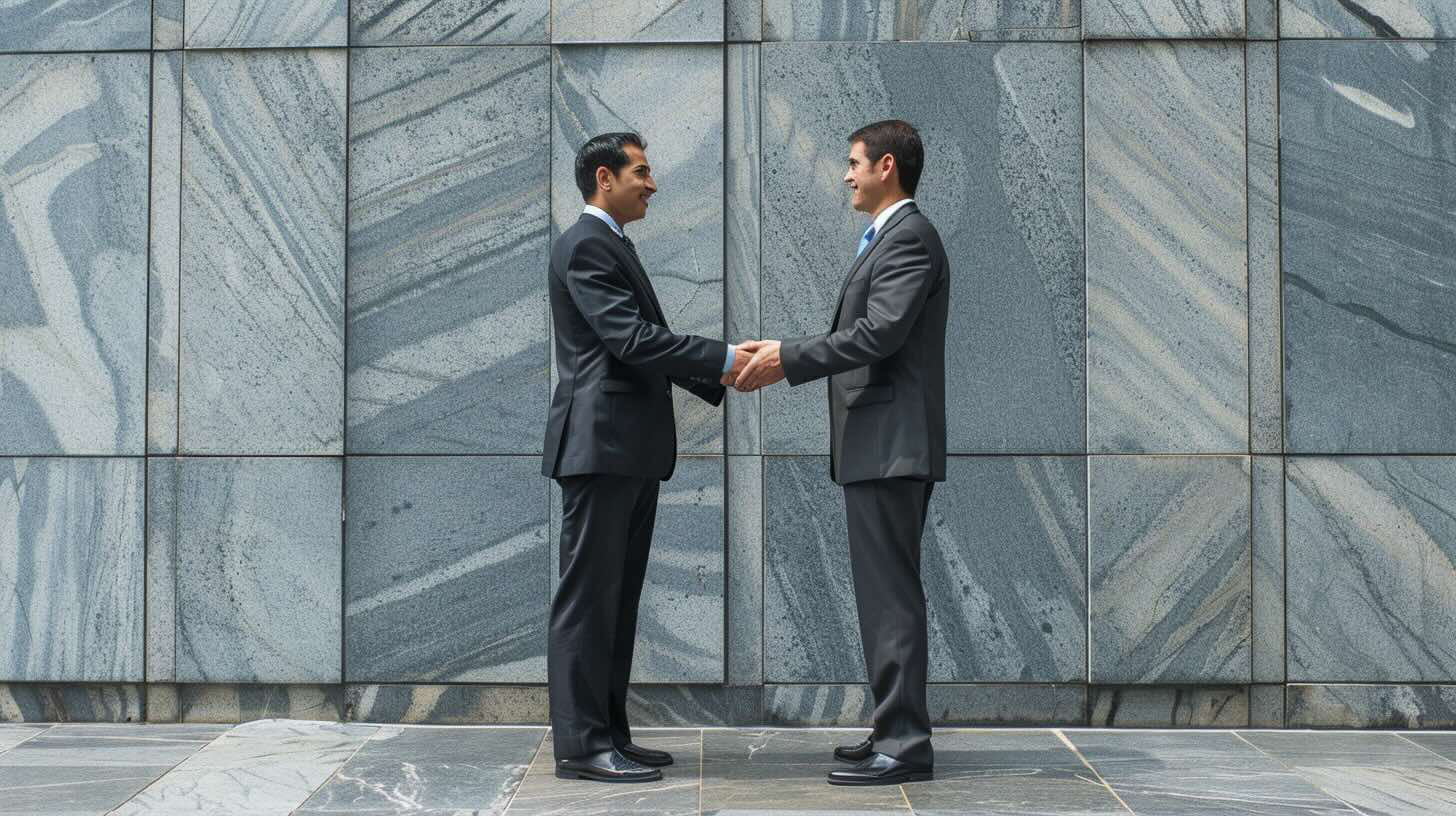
point(886, 517)
point(606, 532)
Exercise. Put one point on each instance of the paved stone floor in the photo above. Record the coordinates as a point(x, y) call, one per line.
point(295, 767)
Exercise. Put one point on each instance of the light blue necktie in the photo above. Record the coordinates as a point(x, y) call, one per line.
point(864, 240)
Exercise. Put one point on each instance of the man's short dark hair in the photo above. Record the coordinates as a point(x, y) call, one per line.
point(605, 150)
point(899, 139)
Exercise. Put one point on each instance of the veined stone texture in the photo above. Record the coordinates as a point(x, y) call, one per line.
point(266, 23)
point(73, 253)
point(1159, 19)
point(262, 357)
point(1167, 269)
point(448, 235)
point(925, 20)
point(74, 25)
point(1367, 19)
point(448, 22)
point(71, 553)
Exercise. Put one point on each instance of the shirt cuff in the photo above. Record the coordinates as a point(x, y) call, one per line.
point(728, 361)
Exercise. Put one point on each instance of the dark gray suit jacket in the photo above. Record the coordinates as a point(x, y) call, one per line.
point(885, 357)
point(612, 410)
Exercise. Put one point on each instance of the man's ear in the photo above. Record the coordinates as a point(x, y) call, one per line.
point(604, 176)
point(887, 165)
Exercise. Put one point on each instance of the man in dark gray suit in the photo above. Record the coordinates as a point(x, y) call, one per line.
point(884, 356)
point(610, 441)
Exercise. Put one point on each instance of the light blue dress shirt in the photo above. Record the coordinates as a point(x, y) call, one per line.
point(606, 217)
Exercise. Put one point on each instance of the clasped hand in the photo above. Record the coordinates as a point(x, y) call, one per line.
point(755, 364)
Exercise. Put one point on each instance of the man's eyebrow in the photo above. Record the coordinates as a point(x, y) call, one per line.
point(643, 166)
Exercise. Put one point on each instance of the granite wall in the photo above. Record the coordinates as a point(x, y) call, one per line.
point(274, 353)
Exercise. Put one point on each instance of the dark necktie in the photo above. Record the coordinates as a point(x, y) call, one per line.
point(630, 246)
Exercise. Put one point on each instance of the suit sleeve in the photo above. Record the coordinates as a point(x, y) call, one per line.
point(711, 393)
point(902, 279)
point(610, 307)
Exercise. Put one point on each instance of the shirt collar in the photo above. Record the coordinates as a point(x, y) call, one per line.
point(889, 211)
point(591, 209)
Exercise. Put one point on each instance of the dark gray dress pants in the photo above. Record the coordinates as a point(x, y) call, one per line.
point(886, 517)
point(606, 532)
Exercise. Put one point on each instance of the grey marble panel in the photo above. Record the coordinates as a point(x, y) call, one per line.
point(1002, 129)
point(1367, 165)
point(269, 766)
point(447, 22)
point(676, 794)
point(647, 21)
point(161, 570)
point(163, 703)
point(743, 20)
point(73, 250)
point(74, 25)
point(447, 569)
point(259, 556)
point(769, 771)
point(13, 735)
point(93, 702)
point(1170, 569)
point(676, 706)
point(742, 183)
point(1162, 19)
point(1375, 774)
point(430, 770)
point(164, 278)
point(1261, 19)
point(1169, 706)
point(1005, 570)
point(596, 90)
point(1367, 18)
point(1199, 773)
point(229, 703)
point(265, 23)
point(1267, 647)
point(745, 569)
point(1442, 745)
point(810, 627)
point(1266, 383)
point(71, 564)
point(1009, 773)
point(1167, 286)
point(1371, 706)
point(922, 19)
point(447, 705)
point(836, 705)
point(1266, 706)
point(1372, 588)
point(448, 228)
point(76, 769)
point(167, 24)
point(262, 368)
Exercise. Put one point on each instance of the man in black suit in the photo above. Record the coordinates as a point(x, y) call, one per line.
point(884, 356)
point(610, 441)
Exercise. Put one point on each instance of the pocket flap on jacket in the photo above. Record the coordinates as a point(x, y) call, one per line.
point(618, 386)
point(868, 395)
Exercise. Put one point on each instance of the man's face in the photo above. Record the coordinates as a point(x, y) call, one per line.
point(863, 178)
point(628, 190)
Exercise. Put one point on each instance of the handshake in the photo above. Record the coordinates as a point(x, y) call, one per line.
point(755, 364)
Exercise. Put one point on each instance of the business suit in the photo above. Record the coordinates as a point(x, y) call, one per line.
point(610, 440)
point(885, 359)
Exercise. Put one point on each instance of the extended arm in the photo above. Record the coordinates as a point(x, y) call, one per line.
point(610, 308)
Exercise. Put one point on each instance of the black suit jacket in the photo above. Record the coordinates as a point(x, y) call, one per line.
point(885, 357)
point(612, 410)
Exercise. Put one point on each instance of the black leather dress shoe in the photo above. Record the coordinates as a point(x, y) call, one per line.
point(855, 753)
point(607, 766)
point(645, 756)
point(881, 769)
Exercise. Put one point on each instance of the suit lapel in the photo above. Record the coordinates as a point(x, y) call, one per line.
point(634, 271)
point(865, 256)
